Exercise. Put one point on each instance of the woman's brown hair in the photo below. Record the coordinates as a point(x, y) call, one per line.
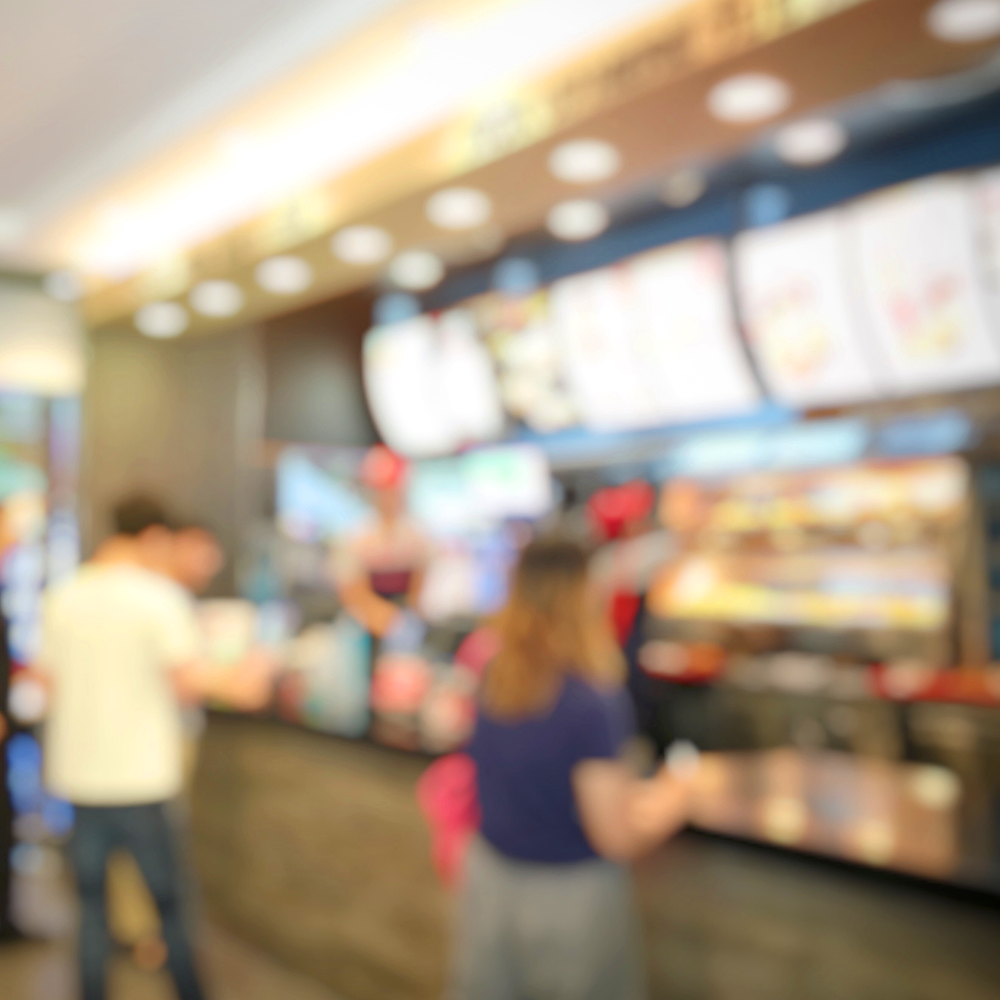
point(550, 627)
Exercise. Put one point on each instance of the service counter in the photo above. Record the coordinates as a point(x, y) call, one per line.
point(313, 848)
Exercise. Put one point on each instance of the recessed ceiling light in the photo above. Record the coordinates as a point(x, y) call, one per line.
point(584, 161)
point(284, 275)
point(459, 208)
point(964, 20)
point(416, 270)
point(216, 298)
point(810, 142)
point(683, 188)
point(161, 320)
point(578, 219)
point(63, 286)
point(361, 245)
point(749, 97)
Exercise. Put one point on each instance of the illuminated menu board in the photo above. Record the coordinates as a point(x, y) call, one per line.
point(689, 339)
point(653, 340)
point(802, 320)
point(430, 385)
point(923, 290)
point(986, 194)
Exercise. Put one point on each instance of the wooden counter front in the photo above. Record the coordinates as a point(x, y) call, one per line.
point(314, 849)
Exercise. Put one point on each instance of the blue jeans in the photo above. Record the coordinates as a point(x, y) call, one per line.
point(145, 832)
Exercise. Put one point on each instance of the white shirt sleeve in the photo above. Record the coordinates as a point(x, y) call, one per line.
point(178, 636)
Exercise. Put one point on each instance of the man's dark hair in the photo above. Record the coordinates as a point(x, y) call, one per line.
point(134, 515)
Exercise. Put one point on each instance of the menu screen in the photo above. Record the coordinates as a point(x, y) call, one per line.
point(801, 316)
point(653, 340)
point(596, 319)
point(430, 385)
point(519, 333)
point(987, 210)
point(926, 305)
point(688, 334)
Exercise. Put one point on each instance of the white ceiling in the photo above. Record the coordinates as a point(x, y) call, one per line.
point(88, 90)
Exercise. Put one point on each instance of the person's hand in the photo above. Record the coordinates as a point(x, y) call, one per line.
point(660, 800)
point(3, 728)
point(382, 617)
point(252, 683)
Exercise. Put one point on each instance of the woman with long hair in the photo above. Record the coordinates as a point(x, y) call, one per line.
point(546, 908)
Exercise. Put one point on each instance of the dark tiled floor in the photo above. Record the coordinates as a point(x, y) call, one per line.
point(235, 972)
point(724, 922)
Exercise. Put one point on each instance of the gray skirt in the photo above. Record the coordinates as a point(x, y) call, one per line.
point(527, 931)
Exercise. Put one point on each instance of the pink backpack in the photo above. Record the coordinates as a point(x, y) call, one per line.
point(448, 797)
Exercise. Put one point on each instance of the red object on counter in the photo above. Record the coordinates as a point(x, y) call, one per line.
point(964, 686)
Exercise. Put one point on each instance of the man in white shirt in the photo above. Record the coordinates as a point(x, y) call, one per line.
point(120, 645)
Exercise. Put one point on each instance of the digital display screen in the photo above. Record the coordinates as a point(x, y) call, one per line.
point(923, 290)
point(521, 337)
point(802, 316)
point(318, 496)
point(431, 385)
point(653, 340)
point(481, 488)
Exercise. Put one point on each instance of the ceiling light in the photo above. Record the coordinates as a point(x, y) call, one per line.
point(584, 161)
point(216, 298)
point(811, 142)
point(63, 286)
point(416, 270)
point(578, 219)
point(459, 208)
point(161, 320)
point(361, 245)
point(683, 188)
point(964, 20)
point(749, 97)
point(284, 275)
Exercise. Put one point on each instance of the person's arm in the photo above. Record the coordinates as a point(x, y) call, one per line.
point(195, 679)
point(244, 685)
point(375, 613)
point(625, 817)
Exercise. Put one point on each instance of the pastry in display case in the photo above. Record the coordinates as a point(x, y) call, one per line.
point(870, 547)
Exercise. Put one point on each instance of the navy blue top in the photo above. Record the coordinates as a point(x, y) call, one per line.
point(524, 770)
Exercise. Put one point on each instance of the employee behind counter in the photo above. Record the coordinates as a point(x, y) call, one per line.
point(379, 570)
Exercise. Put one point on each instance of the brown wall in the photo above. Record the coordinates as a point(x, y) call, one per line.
point(315, 392)
point(184, 419)
point(180, 419)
